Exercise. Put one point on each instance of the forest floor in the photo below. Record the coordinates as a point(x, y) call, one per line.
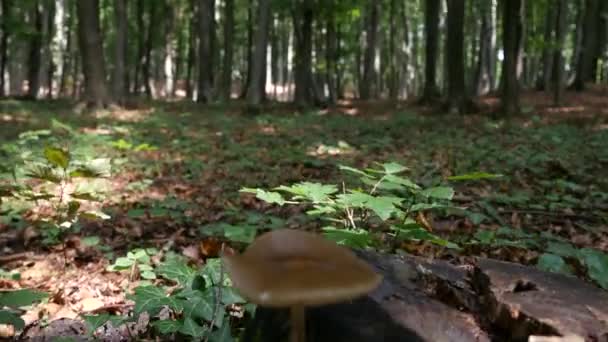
point(177, 169)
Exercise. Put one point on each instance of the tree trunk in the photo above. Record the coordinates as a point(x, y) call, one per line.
point(369, 86)
point(205, 14)
point(457, 95)
point(141, 43)
point(249, 47)
point(93, 64)
point(226, 87)
point(152, 24)
point(484, 78)
point(544, 81)
point(302, 20)
point(119, 87)
point(585, 67)
point(69, 57)
point(169, 61)
point(5, 7)
point(35, 54)
point(331, 57)
point(393, 74)
point(256, 86)
point(558, 57)
point(511, 35)
point(59, 43)
point(431, 32)
point(192, 43)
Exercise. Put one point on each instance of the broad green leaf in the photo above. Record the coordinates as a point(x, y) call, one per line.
point(562, 249)
point(440, 192)
point(553, 263)
point(85, 196)
point(237, 233)
point(124, 262)
point(212, 273)
point(7, 317)
point(353, 199)
point(231, 296)
point(19, 298)
point(401, 181)
point(266, 196)
point(176, 270)
point(356, 171)
point(321, 210)
point(167, 326)
point(222, 334)
point(485, 237)
point(90, 241)
point(198, 304)
point(383, 206)
point(391, 168)
point(148, 275)
point(95, 215)
point(597, 265)
point(415, 232)
point(57, 157)
point(315, 192)
point(425, 206)
point(73, 207)
point(191, 328)
point(359, 238)
point(474, 176)
point(151, 299)
point(140, 255)
point(43, 172)
point(93, 322)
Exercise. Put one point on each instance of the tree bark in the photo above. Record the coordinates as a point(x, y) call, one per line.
point(256, 86)
point(304, 87)
point(331, 56)
point(59, 43)
point(119, 86)
point(93, 63)
point(152, 24)
point(431, 32)
point(226, 87)
point(484, 77)
point(545, 79)
point(558, 56)
point(5, 7)
point(249, 47)
point(205, 14)
point(393, 74)
point(369, 86)
point(192, 43)
point(35, 52)
point(585, 68)
point(169, 62)
point(511, 36)
point(141, 43)
point(457, 95)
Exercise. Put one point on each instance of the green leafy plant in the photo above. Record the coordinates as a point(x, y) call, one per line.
point(12, 301)
point(137, 261)
point(388, 199)
point(61, 182)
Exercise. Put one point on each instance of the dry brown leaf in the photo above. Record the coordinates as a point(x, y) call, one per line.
point(91, 304)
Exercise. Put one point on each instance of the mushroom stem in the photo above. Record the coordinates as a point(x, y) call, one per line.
point(298, 324)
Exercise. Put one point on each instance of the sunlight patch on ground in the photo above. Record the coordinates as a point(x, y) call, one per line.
point(125, 115)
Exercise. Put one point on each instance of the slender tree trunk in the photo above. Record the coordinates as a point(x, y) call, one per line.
point(152, 24)
point(558, 56)
point(120, 51)
point(205, 14)
point(226, 87)
point(331, 57)
point(393, 74)
point(511, 35)
point(304, 87)
point(192, 43)
point(457, 95)
point(249, 47)
point(59, 43)
point(69, 57)
point(431, 29)
point(35, 53)
point(141, 44)
point(93, 64)
point(544, 81)
point(369, 85)
point(48, 65)
point(483, 75)
point(256, 85)
point(585, 67)
point(4, 27)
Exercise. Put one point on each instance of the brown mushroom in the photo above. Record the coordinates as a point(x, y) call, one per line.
point(295, 269)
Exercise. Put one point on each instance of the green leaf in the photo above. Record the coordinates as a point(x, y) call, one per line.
point(19, 298)
point(356, 238)
point(198, 304)
point(151, 299)
point(95, 215)
point(73, 207)
point(391, 168)
point(91, 241)
point(93, 322)
point(474, 176)
point(123, 262)
point(191, 328)
point(176, 270)
point(168, 326)
point(553, 263)
point(231, 296)
point(562, 249)
point(485, 237)
point(384, 206)
point(597, 265)
point(85, 196)
point(415, 232)
point(315, 192)
point(140, 255)
point(8, 317)
point(440, 192)
point(401, 181)
point(223, 334)
point(266, 196)
point(148, 275)
point(356, 171)
point(425, 206)
point(57, 157)
point(43, 172)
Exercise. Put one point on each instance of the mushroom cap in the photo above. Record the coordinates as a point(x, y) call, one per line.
point(290, 267)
